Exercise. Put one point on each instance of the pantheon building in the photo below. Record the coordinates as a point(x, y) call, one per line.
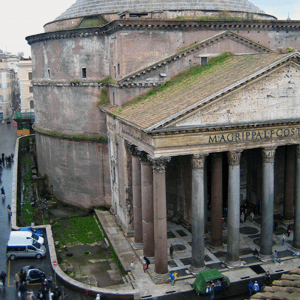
point(166, 110)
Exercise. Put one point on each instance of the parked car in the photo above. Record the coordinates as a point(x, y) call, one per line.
point(33, 274)
point(38, 232)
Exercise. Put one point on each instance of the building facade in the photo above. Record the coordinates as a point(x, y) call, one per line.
point(8, 90)
point(171, 112)
point(25, 85)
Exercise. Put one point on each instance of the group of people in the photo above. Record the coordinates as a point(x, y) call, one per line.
point(244, 213)
point(254, 287)
point(146, 264)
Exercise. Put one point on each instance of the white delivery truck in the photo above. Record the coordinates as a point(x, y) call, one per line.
point(21, 246)
point(28, 235)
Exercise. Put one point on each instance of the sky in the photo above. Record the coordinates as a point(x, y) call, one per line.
point(19, 18)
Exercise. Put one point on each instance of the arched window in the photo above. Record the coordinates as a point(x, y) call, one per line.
point(31, 104)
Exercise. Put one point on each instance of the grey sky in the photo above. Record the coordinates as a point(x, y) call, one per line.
point(19, 18)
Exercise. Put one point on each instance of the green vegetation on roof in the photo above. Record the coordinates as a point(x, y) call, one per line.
point(92, 22)
point(179, 78)
point(70, 136)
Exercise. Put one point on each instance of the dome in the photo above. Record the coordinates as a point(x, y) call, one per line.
point(94, 7)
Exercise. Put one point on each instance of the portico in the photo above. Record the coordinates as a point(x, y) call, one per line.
point(223, 131)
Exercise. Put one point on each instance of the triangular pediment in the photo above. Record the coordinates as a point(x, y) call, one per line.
point(271, 97)
point(226, 41)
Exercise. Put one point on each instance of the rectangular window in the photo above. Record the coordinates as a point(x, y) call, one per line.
point(48, 73)
point(30, 75)
point(115, 72)
point(83, 75)
point(203, 61)
point(31, 89)
point(119, 69)
point(114, 100)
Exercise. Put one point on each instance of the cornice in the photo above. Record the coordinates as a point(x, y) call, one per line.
point(159, 24)
point(220, 128)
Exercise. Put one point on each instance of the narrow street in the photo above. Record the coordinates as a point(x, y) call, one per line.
point(8, 136)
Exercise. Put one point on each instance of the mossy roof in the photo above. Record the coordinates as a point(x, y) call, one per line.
point(192, 88)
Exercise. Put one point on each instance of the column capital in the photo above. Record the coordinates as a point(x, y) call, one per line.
point(298, 151)
point(159, 164)
point(268, 154)
point(234, 157)
point(132, 149)
point(198, 160)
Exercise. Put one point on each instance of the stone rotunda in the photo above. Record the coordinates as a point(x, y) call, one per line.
point(171, 111)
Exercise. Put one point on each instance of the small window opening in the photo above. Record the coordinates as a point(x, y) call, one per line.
point(83, 73)
point(48, 73)
point(30, 75)
point(119, 69)
point(203, 61)
point(31, 104)
point(115, 72)
point(31, 89)
point(114, 100)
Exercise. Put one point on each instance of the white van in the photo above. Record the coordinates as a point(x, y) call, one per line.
point(28, 235)
point(19, 246)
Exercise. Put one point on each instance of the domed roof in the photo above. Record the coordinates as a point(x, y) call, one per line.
point(94, 7)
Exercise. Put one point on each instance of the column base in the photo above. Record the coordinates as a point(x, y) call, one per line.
point(137, 246)
point(233, 264)
point(160, 278)
point(265, 257)
point(195, 270)
point(215, 248)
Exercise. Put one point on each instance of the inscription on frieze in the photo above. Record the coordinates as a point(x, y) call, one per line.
point(252, 135)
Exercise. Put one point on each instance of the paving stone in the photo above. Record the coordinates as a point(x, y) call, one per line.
point(245, 251)
point(280, 231)
point(186, 261)
point(172, 264)
point(179, 247)
point(250, 259)
point(218, 266)
point(257, 269)
point(284, 253)
point(248, 230)
point(181, 233)
point(170, 235)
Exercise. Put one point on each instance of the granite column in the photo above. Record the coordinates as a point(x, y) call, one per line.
point(198, 215)
point(160, 215)
point(147, 208)
point(233, 223)
point(289, 184)
point(137, 199)
point(296, 242)
point(267, 208)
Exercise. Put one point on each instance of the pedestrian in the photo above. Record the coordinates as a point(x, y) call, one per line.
point(23, 276)
point(242, 217)
point(283, 238)
point(132, 265)
point(171, 251)
point(2, 191)
point(9, 213)
point(147, 261)
point(172, 278)
point(224, 286)
point(17, 279)
point(212, 293)
point(22, 290)
point(3, 278)
point(268, 278)
point(251, 216)
point(255, 287)
point(250, 287)
point(275, 255)
point(98, 297)
point(144, 266)
point(275, 225)
point(288, 230)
